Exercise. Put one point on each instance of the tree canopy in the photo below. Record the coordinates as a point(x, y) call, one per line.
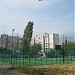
point(28, 31)
point(68, 46)
point(36, 46)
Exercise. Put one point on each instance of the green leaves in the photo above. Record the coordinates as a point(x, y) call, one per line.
point(27, 36)
point(36, 47)
point(69, 46)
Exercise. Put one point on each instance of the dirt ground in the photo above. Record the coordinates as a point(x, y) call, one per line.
point(53, 69)
point(5, 70)
point(57, 69)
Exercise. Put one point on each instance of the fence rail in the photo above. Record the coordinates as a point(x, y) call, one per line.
point(51, 57)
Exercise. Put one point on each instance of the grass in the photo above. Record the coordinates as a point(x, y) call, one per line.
point(54, 69)
point(41, 68)
point(26, 62)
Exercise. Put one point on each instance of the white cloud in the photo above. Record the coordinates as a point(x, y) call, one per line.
point(29, 3)
point(11, 16)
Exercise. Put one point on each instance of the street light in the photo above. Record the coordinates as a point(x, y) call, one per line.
point(12, 37)
point(12, 43)
point(17, 41)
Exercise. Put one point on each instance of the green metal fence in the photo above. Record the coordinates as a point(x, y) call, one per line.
point(19, 57)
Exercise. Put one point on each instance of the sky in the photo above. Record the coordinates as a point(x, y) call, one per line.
point(51, 16)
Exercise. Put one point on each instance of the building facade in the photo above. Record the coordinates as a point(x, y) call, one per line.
point(4, 40)
point(54, 40)
point(0, 42)
point(47, 41)
point(9, 42)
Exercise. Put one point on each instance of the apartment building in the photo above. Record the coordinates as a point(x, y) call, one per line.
point(54, 40)
point(47, 41)
point(4, 40)
point(32, 41)
point(40, 40)
point(0, 42)
point(10, 42)
point(20, 42)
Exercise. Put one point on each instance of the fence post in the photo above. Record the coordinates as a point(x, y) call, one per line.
point(63, 55)
point(63, 48)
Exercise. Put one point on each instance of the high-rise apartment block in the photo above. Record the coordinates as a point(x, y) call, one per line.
point(47, 41)
point(54, 40)
point(11, 42)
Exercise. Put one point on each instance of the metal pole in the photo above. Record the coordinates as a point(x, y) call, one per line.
point(46, 53)
point(12, 43)
point(17, 46)
point(63, 48)
point(71, 48)
point(12, 48)
point(23, 50)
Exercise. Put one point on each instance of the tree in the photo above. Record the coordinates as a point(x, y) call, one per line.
point(36, 47)
point(27, 36)
point(68, 46)
point(66, 41)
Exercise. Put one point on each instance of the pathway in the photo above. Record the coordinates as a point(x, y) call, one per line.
point(4, 70)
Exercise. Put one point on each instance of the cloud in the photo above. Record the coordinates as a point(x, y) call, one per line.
point(29, 3)
point(16, 14)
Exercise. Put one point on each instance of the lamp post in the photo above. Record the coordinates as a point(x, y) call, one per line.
point(12, 37)
point(12, 43)
point(63, 48)
point(17, 41)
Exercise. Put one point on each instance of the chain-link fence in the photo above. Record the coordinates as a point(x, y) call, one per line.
point(19, 57)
